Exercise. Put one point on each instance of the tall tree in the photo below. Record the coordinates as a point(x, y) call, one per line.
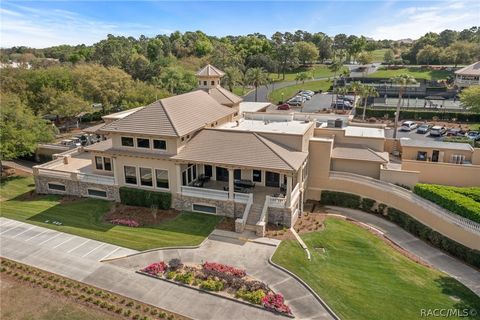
point(335, 67)
point(307, 52)
point(367, 92)
point(403, 81)
point(233, 76)
point(256, 77)
point(470, 97)
point(302, 76)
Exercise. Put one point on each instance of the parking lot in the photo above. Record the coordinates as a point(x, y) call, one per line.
point(411, 134)
point(60, 241)
point(317, 103)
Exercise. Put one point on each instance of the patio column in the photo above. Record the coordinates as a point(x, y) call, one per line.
point(178, 173)
point(289, 191)
point(114, 170)
point(231, 187)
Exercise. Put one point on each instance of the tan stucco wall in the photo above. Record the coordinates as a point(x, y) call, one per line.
point(476, 156)
point(171, 143)
point(385, 195)
point(364, 168)
point(410, 153)
point(390, 145)
point(377, 144)
point(319, 161)
point(445, 173)
point(401, 177)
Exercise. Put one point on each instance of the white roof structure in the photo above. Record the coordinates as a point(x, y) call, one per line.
point(253, 106)
point(355, 131)
point(287, 127)
point(406, 142)
point(210, 71)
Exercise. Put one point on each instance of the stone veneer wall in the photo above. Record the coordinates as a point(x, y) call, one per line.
point(75, 188)
point(229, 209)
point(280, 216)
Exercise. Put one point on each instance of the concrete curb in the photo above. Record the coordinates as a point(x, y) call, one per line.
point(213, 293)
point(322, 302)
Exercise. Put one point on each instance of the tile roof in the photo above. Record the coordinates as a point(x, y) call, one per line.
point(435, 144)
point(245, 149)
point(209, 71)
point(363, 154)
point(93, 129)
point(471, 70)
point(99, 146)
point(173, 116)
point(223, 96)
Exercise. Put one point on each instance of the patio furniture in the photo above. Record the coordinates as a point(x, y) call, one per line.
point(244, 183)
point(203, 178)
point(198, 183)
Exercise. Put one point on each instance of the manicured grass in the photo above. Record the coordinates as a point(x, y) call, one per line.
point(378, 55)
point(414, 72)
point(316, 71)
point(361, 277)
point(84, 218)
point(276, 95)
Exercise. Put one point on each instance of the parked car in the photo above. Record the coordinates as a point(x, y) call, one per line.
point(424, 128)
point(341, 104)
point(350, 99)
point(474, 135)
point(408, 126)
point(437, 131)
point(309, 92)
point(296, 101)
point(305, 95)
point(71, 143)
point(283, 106)
point(455, 132)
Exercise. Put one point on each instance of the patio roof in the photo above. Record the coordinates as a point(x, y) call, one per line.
point(241, 149)
point(361, 154)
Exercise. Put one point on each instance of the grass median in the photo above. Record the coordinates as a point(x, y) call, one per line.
point(287, 92)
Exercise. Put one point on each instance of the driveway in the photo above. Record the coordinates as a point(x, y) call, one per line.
point(78, 258)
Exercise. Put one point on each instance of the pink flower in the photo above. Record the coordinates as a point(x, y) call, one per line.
point(213, 266)
point(275, 301)
point(155, 268)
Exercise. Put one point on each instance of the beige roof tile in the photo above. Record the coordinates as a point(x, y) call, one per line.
point(363, 154)
point(244, 149)
point(209, 71)
point(100, 146)
point(173, 116)
point(223, 96)
point(471, 70)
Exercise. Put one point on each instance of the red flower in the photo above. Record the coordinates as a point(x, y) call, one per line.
point(275, 301)
point(218, 267)
point(155, 268)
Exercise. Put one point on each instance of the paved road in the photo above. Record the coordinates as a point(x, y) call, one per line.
point(433, 256)
point(78, 257)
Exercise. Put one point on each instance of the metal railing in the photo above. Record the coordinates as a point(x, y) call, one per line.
point(410, 196)
point(241, 222)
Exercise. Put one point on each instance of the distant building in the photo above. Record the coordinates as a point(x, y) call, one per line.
point(468, 76)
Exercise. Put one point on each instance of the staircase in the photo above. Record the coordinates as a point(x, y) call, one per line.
point(254, 216)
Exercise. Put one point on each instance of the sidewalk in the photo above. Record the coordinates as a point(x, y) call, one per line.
point(433, 256)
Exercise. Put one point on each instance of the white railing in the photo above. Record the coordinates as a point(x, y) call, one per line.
point(240, 223)
point(276, 202)
point(242, 197)
point(205, 193)
point(410, 196)
point(95, 178)
point(295, 194)
point(44, 172)
point(262, 222)
point(76, 176)
point(50, 164)
point(71, 152)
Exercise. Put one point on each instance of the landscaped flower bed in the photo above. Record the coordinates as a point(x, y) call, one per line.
point(125, 222)
point(220, 279)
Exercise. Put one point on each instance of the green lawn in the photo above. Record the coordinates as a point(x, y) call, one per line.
point(317, 71)
point(378, 55)
point(84, 218)
point(361, 277)
point(276, 95)
point(239, 91)
point(415, 72)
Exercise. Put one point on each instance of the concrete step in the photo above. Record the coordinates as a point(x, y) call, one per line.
point(250, 227)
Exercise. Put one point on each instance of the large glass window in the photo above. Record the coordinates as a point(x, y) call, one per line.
point(107, 164)
point(97, 193)
point(127, 141)
point(159, 144)
point(257, 176)
point(146, 178)
point(98, 163)
point(143, 143)
point(130, 175)
point(55, 186)
point(161, 178)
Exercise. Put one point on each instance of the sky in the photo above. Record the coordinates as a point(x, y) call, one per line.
point(42, 24)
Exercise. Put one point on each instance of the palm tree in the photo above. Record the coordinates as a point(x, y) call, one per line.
point(257, 77)
point(232, 77)
point(341, 91)
point(402, 81)
point(356, 88)
point(336, 66)
point(367, 92)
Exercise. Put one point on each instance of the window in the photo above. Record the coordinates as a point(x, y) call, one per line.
point(127, 142)
point(237, 174)
point(98, 163)
point(56, 186)
point(160, 144)
point(257, 176)
point(146, 178)
point(422, 156)
point(130, 175)
point(204, 83)
point(143, 143)
point(107, 164)
point(162, 178)
point(184, 178)
point(212, 83)
point(208, 170)
point(97, 193)
point(194, 172)
point(204, 208)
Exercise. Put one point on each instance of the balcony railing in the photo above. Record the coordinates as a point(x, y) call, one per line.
point(205, 193)
point(76, 176)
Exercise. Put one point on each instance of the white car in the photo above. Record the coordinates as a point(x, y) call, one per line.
point(408, 126)
point(308, 92)
point(305, 95)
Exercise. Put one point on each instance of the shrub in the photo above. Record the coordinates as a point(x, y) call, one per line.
point(367, 204)
point(452, 199)
point(340, 199)
point(175, 264)
point(251, 296)
point(145, 198)
point(186, 278)
point(223, 268)
point(171, 274)
point(212, 285)
point(275, 301)
point(155, 268)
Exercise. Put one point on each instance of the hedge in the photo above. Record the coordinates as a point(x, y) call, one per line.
point(403, 220)
point(452, 199)
point(145, 198)
point(424, 114)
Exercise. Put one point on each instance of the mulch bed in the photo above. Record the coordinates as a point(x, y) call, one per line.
point(144, 216)
point(307, 222)
point(227, 224)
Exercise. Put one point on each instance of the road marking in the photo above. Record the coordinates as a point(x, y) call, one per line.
point(23, 232)
point(108, 255)
point(86, 254)
point(49, 238)
point(77, 246)
point(37, 235)
point(7, 223)
point(15, 226)
point(63, 242)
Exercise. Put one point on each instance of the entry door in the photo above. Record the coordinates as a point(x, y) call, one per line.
point(208, 170)
point(272, 179)
point(222, 174)
point(237, 174)
point(435, 154)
